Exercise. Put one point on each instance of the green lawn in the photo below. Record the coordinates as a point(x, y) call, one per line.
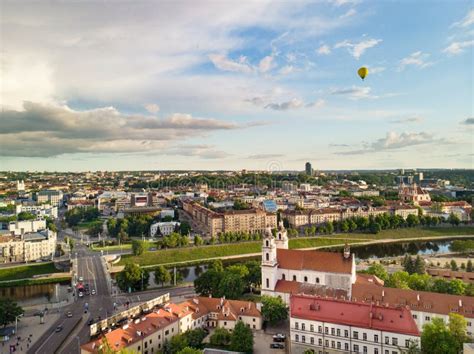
point(26, 271)
point(190, 254)
point(88, 224)
point(23, 282)
point(125, 246)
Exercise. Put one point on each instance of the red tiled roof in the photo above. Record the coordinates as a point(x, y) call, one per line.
point(294, 287)
point(359, 314)
point(332, 262)
point(425, 301)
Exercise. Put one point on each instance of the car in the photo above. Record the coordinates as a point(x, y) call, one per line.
point(93, 292)
point(81, 294)
point(58, 329)
point(279, 336)
point(91, 321)
point(81, 279)
point(277, 346)
point(69, 314)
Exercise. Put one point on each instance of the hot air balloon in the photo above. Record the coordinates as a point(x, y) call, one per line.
point(363, 71)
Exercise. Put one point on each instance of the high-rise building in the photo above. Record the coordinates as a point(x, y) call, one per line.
point(308, 168)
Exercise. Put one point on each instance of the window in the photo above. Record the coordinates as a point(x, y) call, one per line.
point(356, 348)
point(326, 342)
point(297, 338)
point(305, 279)
point(346, 346)
point(283, 277)
point(427, 318)
point(311, 328)
point(376, 338)
point(320, 342)
point(333, 344)
point(326, 330)
point(303, 339)
point(267, 256)
point(407, 343)
point(317, 280)
point(303, 326)
point(268, 283)
point(338, 332)
point(394, 341)
point(146, 344)
point(415, 317)
point(332, 331)
point(469, 324)
point(355, 334)
point(266, 243)
point(139, 348)
point(338, 345)
point(364, 349)
point(294, 277)
point(297, 325)
point(364, 336)
point(346, 333)
point(387, 340)
point(376, 350)
point(311, 340)
point(167, 332)
point(225, 323)
point(320, 329)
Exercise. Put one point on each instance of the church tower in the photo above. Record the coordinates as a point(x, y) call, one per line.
point(281, 239)
point(269, 263)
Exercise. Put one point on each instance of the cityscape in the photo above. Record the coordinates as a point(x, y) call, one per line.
point(236, 177)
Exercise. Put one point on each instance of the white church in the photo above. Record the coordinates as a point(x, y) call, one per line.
point(286, 272)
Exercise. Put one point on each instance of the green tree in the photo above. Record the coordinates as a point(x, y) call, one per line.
point(240, 269)
point(162, 275)
point(437, 339)
point(378, 270)
point(375, 228)
point(217, 265)
point(231, 286)
point(189, 350)
point(132, 276)
point(454, 219)
point(242, 338)
point(398, 280)
point(9, 310)
point(454, 265)
point(419, 265)
point(24, 215)
point(138, 247)
point(408, 264)
point(195, 337)
point(469, 266)
point(176, 344)
point(274, 309)
point(458, 329)
point(220, 337)
point(184, 228)
point(456, 287)
point(198, 240)
point(412, 220)
point(208, 283)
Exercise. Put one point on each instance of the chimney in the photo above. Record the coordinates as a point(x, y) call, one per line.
point(418, 297)
point(460, 303)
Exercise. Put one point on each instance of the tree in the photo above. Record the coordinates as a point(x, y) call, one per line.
point(208, 283)
point(195, 337)
point(9, 310)
point(189, 350)
point(408, 264)
point(412, 220)
point(419, 265)
point(240, 269)
point(329, 227)
point(274, 309)
point(242, 338)
point(220, 337)
point(184, 228)
point(176, 344)
point(437, 339)
point(24, 215)
point(456, 287)
point(162, 275)
point(217, 265)
point(454, 265)
point(95, 229)
point(198, 240)
point(375, 228)
point(469, 266)
point(231, 286)
point(398, 280)
point(138, 247)
point(458, 327)
point(132, 277)
point(378, 270)
point(454, 219)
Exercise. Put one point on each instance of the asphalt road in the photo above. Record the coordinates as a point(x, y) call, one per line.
point(75, 329)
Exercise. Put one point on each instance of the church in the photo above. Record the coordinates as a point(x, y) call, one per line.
point(286, 272)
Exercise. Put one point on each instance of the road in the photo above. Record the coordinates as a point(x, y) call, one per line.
point(75, 329)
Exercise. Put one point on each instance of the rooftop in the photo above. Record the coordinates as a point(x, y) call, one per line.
point(333, 262)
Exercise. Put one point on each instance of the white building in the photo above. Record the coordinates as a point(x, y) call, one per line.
point(287, 271)
point(52, 197)
point(28, 247)
point(166, 228)
point(21, 227)
point(42, 210)
point(20, 186)
point(339, 326)
point(166, 212)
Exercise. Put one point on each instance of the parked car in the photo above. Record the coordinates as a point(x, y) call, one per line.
point(279, 337)
point(277, 346)
point(93, 292)
point(69, 314)
point(81, 279)
point(81, 294)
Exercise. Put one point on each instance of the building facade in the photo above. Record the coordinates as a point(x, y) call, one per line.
point(53, 197)
point(28, 247)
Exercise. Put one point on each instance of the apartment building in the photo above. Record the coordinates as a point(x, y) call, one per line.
point(252, 220)
point(424, 305)
point(41, 210)
point(17, 228)
point(51, 196)
point(148, 334)
point(327, 325)
point(27, 247)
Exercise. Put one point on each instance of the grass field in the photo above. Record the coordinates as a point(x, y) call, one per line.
point(26, 271)
point(88, 224)
point(190, 254)
point(126, 246)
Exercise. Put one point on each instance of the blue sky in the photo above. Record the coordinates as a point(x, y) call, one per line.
point(231, 85)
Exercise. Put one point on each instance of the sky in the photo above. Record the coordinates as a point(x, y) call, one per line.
point(230, 85)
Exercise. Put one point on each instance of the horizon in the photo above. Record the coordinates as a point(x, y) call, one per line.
point(259, 85)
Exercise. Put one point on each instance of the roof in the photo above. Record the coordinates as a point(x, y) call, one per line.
point(332, 262)
point(134, 331)
point(451, 274)
point(442, 304)
point(225, 309)
point(294, 287)
point(357, 314)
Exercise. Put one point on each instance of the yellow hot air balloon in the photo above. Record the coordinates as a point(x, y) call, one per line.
point(363, 71)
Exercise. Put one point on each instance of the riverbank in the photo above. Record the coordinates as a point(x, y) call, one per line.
point(26, 271)
point(206, 254)
point(36, 281)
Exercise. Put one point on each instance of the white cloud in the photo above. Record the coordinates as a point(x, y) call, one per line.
point(466, 21)
point(221, 62)
point(266, 64)
point(324, 50)
point(456, 48)
point(418, 59)
point(287, 69)
point(349, 13)
point(153, 108)
point(359, 48)
point(316, 104)
point(414, 119)
point(354, 92)
point(265, 156)
point(376, 69)
point(284, 106)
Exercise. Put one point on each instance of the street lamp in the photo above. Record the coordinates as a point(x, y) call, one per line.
point(16, 322)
